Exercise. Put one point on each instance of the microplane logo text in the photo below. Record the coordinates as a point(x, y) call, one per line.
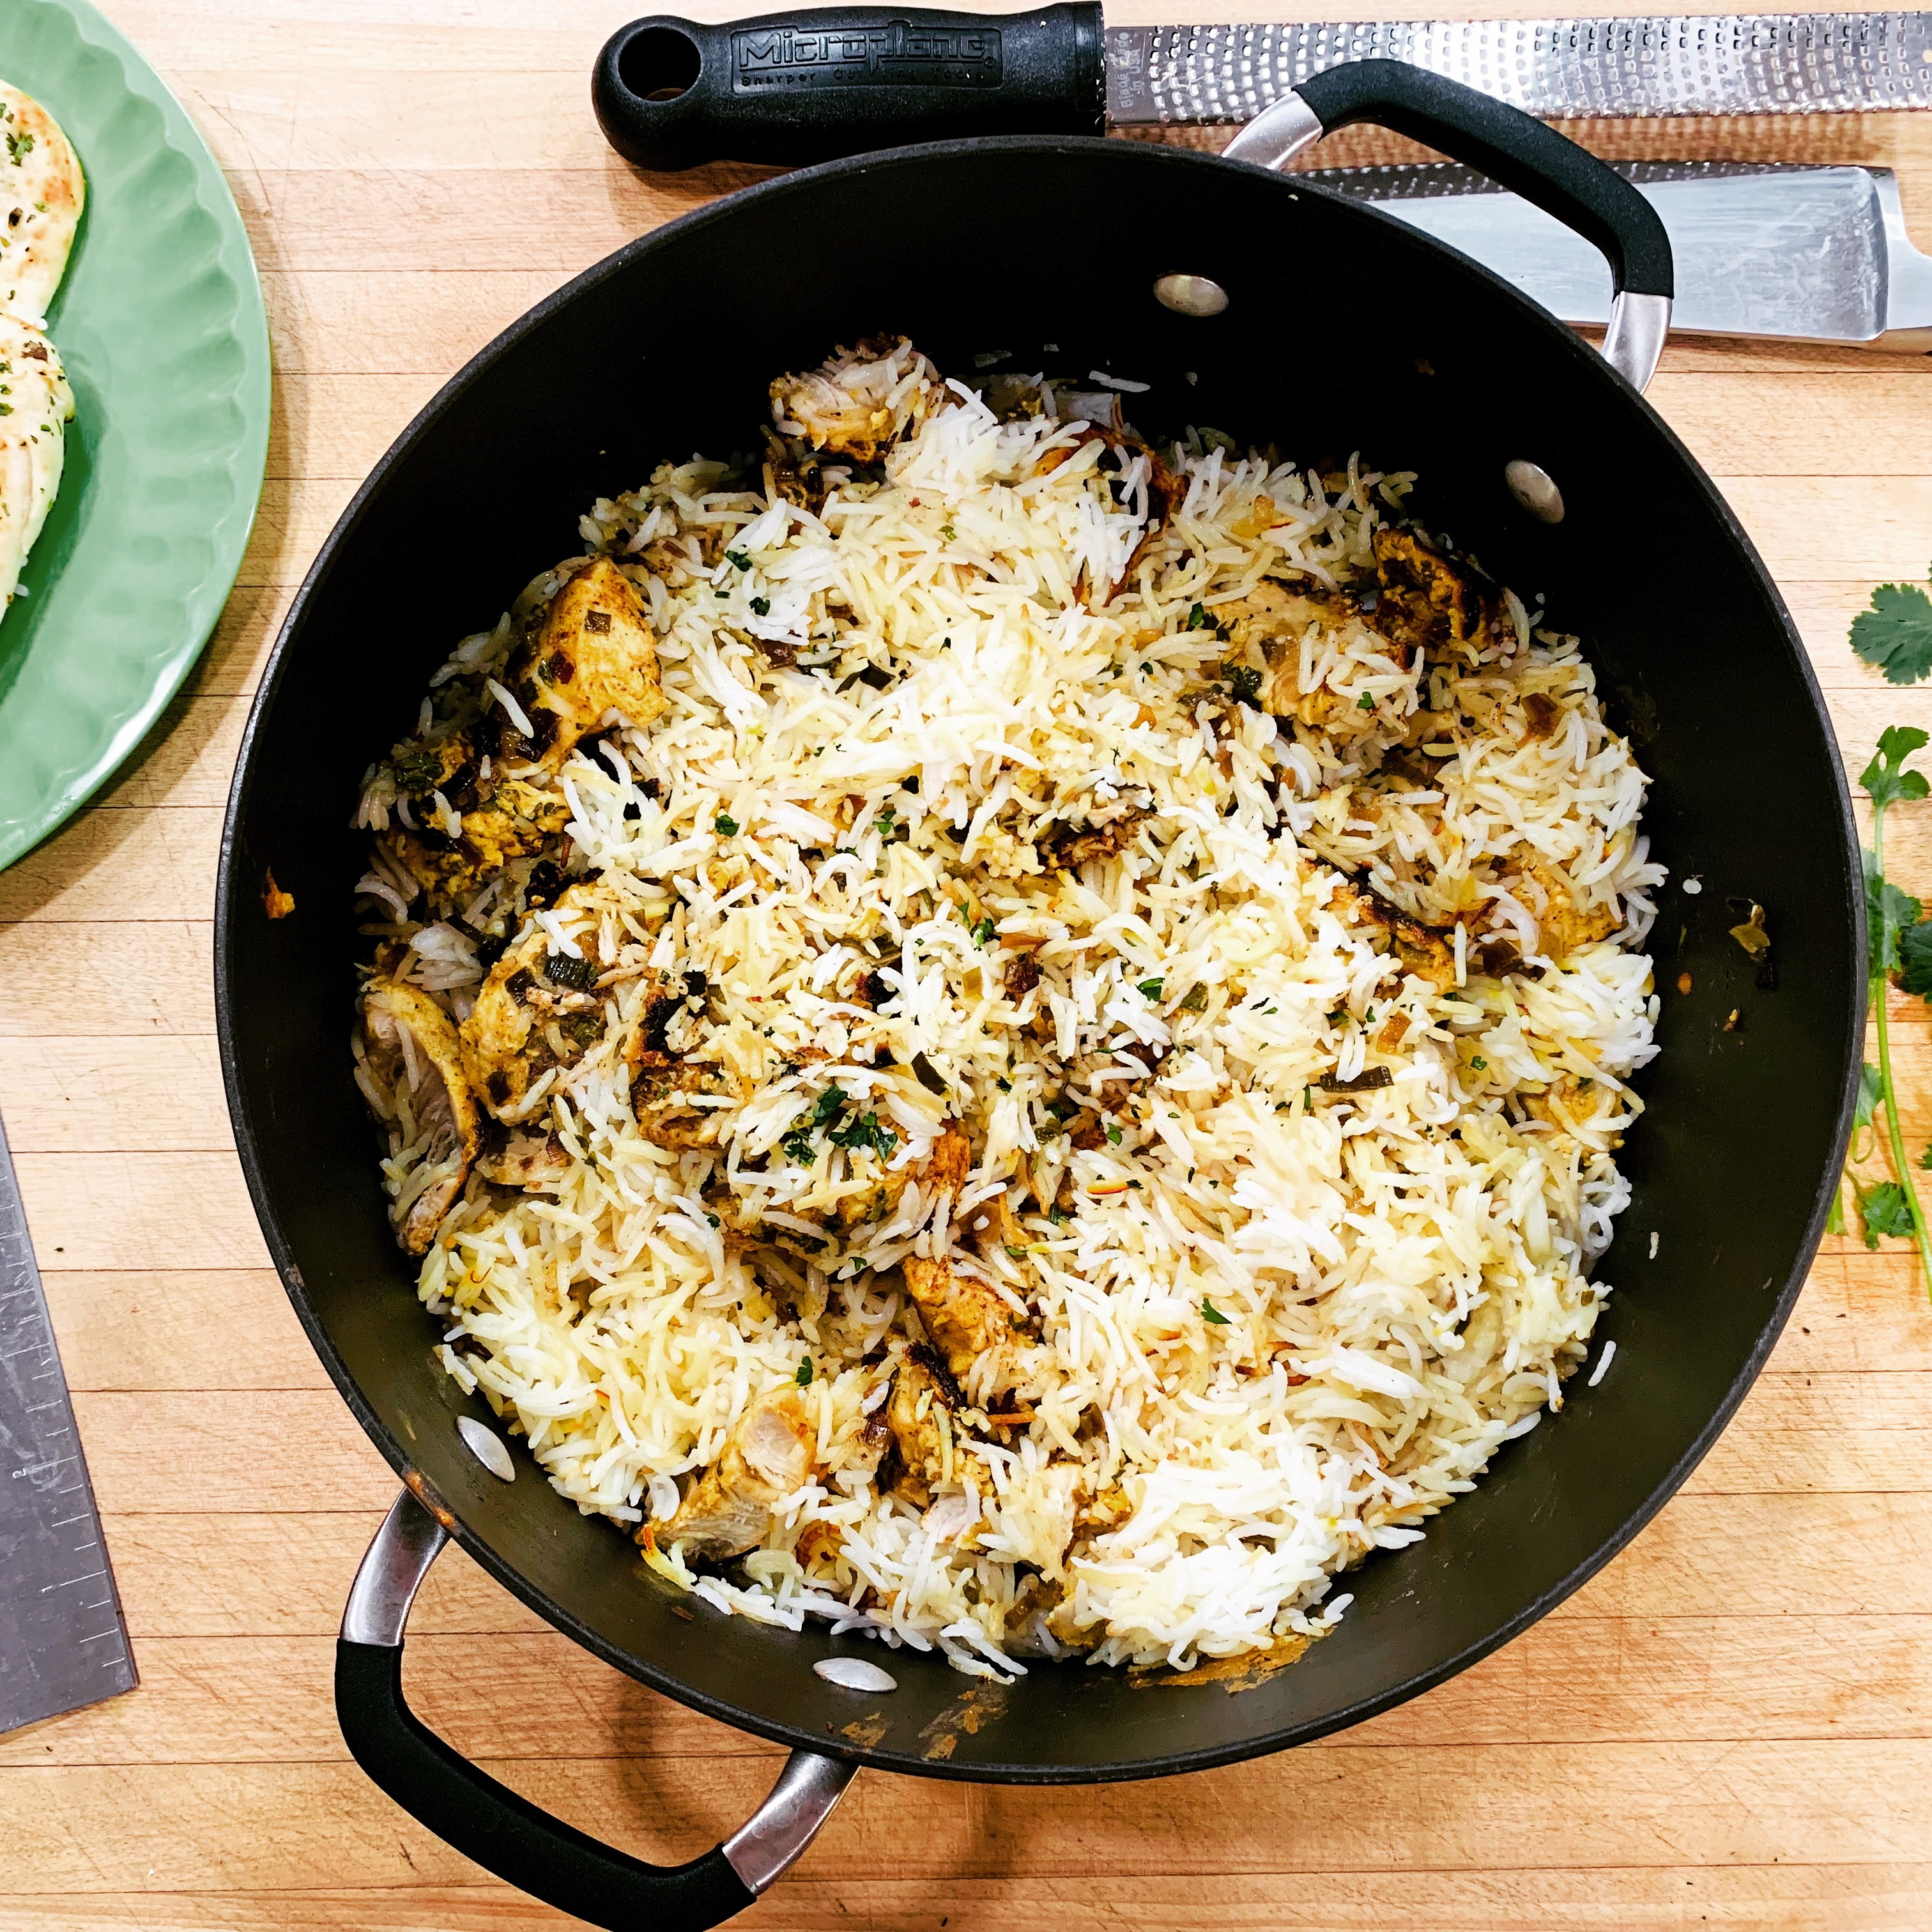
point(897, 54)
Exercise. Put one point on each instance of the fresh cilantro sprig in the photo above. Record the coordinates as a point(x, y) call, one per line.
point(1900, 948)
point(1895, 633)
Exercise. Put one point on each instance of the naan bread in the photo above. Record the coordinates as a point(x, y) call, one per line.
point(36, 405)
point(42, 192)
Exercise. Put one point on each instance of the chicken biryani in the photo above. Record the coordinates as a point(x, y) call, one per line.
point(1006, 1036)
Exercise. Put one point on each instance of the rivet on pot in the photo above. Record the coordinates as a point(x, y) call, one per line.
point(1534, 490)
point(1190, 295)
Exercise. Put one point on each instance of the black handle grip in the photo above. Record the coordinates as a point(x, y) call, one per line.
point(507, 1834)
point(1510, 148)
point(812, 85)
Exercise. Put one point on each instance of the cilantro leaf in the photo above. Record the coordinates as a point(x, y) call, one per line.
point(805, 1372)
point(1209, 1313)
point(1151, 988)
point(983, 932)
point(1885, 778)
point(864, 1131)
point(1889, 911)
point(1884, 1210)
point(726, 824)
point(1197, 619)
point(1914, 960)
point(1895, 634)
point(738, 557)
point(1871, 1091)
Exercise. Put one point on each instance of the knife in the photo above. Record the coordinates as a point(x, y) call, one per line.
point(822, 82)
point(1809, 254)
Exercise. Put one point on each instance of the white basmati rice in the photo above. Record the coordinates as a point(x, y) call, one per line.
point(1263, 1328)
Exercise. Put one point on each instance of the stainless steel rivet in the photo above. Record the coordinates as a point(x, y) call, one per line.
point(1190, 295)
point(1534, 489)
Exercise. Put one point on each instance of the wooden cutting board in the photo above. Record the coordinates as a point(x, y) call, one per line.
point(1732, 1727)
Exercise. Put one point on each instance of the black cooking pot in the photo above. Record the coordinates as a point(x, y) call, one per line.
point(1299, 317)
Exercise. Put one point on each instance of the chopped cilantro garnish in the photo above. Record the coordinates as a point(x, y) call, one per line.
point(1113, 1133)
point(866, 1132)
point(1018, 1254)
point(948, 532)
point(761, 606)
point(738, 557)
point(726, 824)
point(1480, 1064)
point(1245, 682)
point(1150, 987)
point(983, 932)
point(798, 1145)
point(1365, 702)
point(1196, 1001)
point(18, 147)
point(805, 1372)
point(884, 821)
point(1895, 634)
point(1209, 1313)
point(1197, 619)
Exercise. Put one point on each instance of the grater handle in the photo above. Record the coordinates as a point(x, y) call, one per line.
point(670, 94)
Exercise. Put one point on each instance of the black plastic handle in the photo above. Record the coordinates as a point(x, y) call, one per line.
point(1511, 148)
point(812, 85)
point(505, 1834)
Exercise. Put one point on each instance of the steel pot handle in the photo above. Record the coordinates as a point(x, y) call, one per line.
point(507, 1834)
point(1512, 148)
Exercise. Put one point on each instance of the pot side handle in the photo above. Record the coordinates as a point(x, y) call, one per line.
point(507, 1834)
point(1514, 150)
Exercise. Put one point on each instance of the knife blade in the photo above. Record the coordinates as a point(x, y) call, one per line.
point(1808, 254)
point(1721, 64)
point(839, 80)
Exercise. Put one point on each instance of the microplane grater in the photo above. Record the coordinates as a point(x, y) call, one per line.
point(1718, 64)
point(62, 1641)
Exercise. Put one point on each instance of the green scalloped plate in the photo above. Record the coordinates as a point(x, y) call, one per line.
point(160, 324)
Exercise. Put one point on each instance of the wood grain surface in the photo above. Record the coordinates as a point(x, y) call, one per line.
point(1732, 1727)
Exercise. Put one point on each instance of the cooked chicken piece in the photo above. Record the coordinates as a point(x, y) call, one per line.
point(525, 1160)
point(1562, 926)
point(664, 1098)
point(33, 439)
point(540, 1009)
point(42, 192)
point(514, 820)
point(441, 1099)
point(858, 402)
point(592, 653)
point(942, 1171)
point(972, 1328)
point(1574, 1104)
point(1427, 951)
point(1429, 603)
point(922, 1393)
point(1274, 619)
point(767, 1457)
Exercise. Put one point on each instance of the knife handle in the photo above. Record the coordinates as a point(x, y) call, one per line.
point(814, 85)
